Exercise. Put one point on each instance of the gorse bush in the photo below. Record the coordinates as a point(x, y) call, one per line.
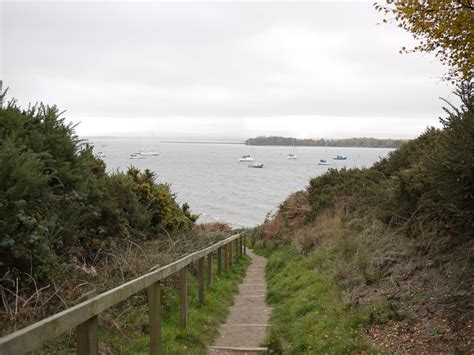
point(450, 168)
point(58, 202)
point(363, 247)
point(423, 188)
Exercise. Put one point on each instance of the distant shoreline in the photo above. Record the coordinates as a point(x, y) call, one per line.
point(202, 142)
point(277, 141)
point(364, 142)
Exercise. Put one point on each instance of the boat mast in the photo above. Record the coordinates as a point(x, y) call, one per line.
point(1, 92)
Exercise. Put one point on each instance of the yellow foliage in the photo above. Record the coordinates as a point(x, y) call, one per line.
point(442, 27)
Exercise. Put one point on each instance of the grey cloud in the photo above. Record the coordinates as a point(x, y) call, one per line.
point(218, 61)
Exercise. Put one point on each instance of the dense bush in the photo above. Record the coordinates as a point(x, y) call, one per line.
point(425, 187)
point(57, 201)
point(450, 168)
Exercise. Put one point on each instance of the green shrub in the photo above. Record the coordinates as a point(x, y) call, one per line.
point(449, 168)
point(57, 201)
point(359, 189)
point(425, 186)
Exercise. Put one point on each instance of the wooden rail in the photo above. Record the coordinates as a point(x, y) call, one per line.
point(83, 317)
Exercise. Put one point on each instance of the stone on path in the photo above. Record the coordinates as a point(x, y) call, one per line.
point(246, 325)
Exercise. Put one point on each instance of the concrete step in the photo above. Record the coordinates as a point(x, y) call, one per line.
point(231, 350)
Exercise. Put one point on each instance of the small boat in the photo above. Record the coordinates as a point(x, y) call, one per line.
point(148, 152)
point(340, 157)
point(100, 155)
point(256, 165)
point(136, 156)
point(293, 156)
point(324, 161)
point(246, 159)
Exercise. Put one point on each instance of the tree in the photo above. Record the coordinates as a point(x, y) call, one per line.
point(442, 27)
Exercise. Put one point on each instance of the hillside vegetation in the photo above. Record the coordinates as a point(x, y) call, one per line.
point(347, 142)
point(69, 229)
point(57, 201)
point(382, 255)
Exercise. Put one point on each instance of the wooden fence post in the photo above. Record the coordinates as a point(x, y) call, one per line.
point(219, 261)
point(87, 332)
point(245, 245)
point(231, 245)
point(200, 278)
point(237, 247)
point(154, 312)
point(209, 270)
point(226, 258)
point(183, 294)
point(87, 339)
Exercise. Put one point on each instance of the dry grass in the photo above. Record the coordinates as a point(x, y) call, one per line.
point(327, 226)
point(25, 300)
point(427, 281)
point(291, 214)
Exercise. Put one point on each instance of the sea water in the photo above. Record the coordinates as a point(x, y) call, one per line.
point(220, 188)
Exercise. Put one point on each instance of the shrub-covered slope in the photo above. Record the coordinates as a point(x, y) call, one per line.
point(400, 232)
point(68, 228)
point(57, 201)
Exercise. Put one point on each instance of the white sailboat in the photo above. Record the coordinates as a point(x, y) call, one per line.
point(293, 156)
point(247, 157)
point(148, 152)
point(136, 156)
point(325, 160)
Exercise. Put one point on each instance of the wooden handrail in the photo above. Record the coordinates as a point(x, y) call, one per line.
point(35, 335)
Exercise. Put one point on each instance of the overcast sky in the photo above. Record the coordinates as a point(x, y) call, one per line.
point(220, 69)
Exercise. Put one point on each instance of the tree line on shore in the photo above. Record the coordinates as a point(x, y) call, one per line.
point(364, 142)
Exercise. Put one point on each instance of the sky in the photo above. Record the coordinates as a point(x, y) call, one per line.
point(220, 70)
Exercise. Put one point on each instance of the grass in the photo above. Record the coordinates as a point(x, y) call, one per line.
point(124, 329)
point(203, 320)
point(310, 313)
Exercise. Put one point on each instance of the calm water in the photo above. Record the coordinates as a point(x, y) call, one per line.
point(213, 182)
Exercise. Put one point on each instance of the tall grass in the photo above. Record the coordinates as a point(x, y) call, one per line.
point(125, 329)
point(311, 314)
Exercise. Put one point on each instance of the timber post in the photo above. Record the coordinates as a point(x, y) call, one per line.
point(209, 270)
point(219, 261)
point(226, 258)
point(200, 279)
point(154, 312)
point(87, 337)
point(183, 297)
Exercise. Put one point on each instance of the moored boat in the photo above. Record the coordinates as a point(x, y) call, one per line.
point(293, 156)
point(246, 159)
point(136, 156)
point(148, 152)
